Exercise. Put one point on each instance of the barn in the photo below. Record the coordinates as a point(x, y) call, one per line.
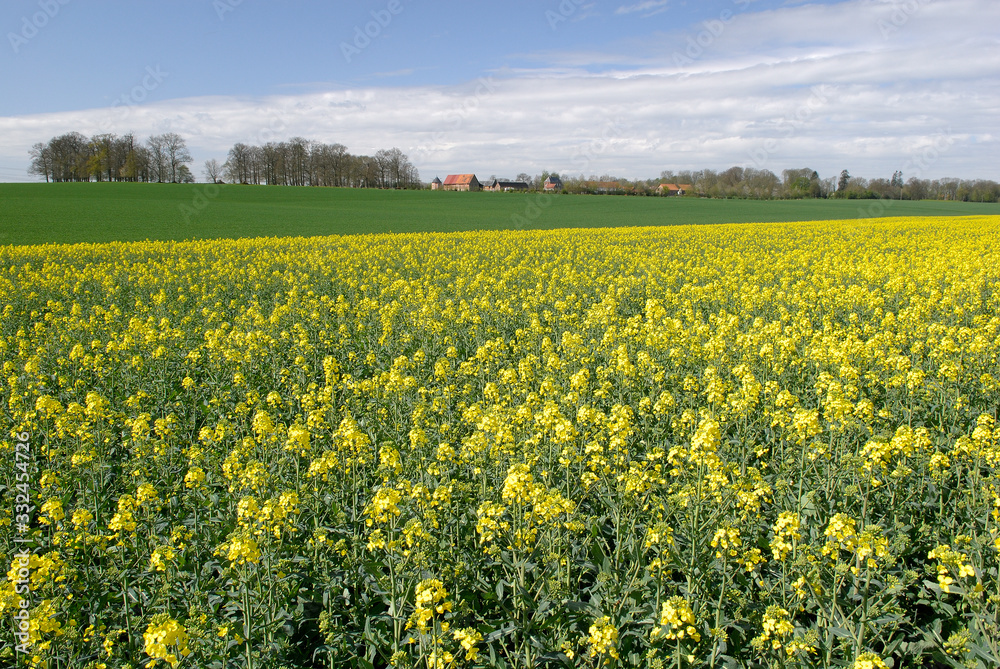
point(501, 185)
point(462, 182)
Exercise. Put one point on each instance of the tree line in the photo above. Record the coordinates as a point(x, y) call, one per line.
point(752, 183)
point(164, 159)
point(110, 157)
point(962, 190)
point(301, 162)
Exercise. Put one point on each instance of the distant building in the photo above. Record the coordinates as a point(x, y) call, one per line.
point(498, 185)
point(436, 184)
point(553, 183)
point(605, 187)
point(462, 182)
point(673, 189)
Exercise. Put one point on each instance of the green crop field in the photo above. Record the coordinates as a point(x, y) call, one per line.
point(90, 212)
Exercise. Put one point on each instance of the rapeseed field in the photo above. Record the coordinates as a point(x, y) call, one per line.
point(760, 445)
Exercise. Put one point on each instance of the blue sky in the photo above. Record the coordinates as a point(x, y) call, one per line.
point(626, 87)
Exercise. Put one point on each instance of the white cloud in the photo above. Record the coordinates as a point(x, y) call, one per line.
point(649, 6)
point(815, 85)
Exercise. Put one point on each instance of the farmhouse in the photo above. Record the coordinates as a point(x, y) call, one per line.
point(498, 185)
point(462, 182)
point(553, 183)
point(672, 189)
point(436, 184)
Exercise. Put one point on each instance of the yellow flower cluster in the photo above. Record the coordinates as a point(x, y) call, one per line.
point(431, 599)
point(383, 506)
point(52, 511)
point(775, 627)
point(727, 541)
point(241, 550)
point(468, 637)
point(272, 517)
point(841, 534)
point(124, 520)
point(677, 621)
point(161, 558)
point(167, 640)
point(145, 493)
point(195, 478)
point(869, 661)
point(44, 621)
point(603, 638)
point(950, 562)
point(786, 532)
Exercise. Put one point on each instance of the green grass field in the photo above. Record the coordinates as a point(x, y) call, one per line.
point(91, 212)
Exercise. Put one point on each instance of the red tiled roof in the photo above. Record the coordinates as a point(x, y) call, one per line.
point(457, 179)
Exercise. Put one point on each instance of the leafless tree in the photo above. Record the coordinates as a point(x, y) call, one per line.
point(176, 153)
point(159, 171)
point(213, 170)
point(41, 161)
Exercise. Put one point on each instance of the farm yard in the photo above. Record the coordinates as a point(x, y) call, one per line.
point(754, 445)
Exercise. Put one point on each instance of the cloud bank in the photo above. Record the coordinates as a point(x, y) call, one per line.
point(864, 85)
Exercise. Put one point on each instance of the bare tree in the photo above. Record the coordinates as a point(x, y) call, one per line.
point(395, 169)
point(388, 165)
point(213, 170)
point(298, 161)
point(167, 153)
point(120, 150)
point(137, 164)
point(158, 168)
point(41, 161)
point(176, 154)
point(237, 165)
